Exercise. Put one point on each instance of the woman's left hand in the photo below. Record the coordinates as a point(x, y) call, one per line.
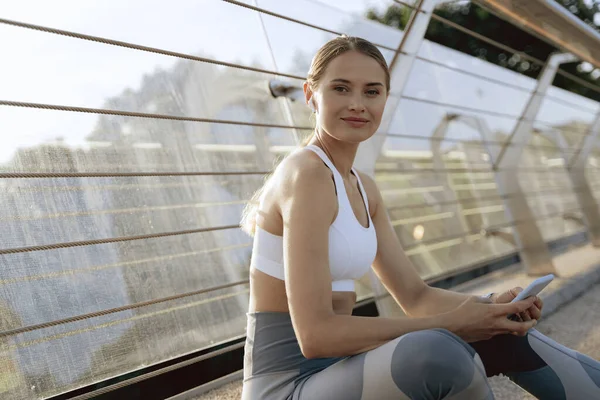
point(533, 312)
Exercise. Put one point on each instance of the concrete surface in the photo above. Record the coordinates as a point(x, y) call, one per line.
point(576, 270)
point(571, 313)
point(576, 325)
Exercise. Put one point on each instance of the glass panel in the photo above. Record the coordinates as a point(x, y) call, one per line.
point(294, 45)
point(65, 356)
point(446, 256)
point(483, 214)
point(124, 144)
point(44, 286)
point(48, 211)
point(451, 204)
point(343, 17)
point(461, 61)
point(576, 102)
point(558, 227)
point(480, 185)
point(180, 27)
point(409, 153)
point(413, 190)
point(360, 6)
point(420, 118)
point(428, 81)
point(74, 73)
point(413, 225)
point(553, 204)
point(571, 121)
point(546, 184)
point(592, 172)
point(557, 114)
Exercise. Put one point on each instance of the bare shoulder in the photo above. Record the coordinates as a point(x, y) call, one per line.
point(301, 184)
point(372, 191)
point(304, 171)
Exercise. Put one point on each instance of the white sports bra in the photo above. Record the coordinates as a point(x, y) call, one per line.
point(352, 247)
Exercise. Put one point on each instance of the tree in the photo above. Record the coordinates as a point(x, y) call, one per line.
point(585, 10)
point(481, 21)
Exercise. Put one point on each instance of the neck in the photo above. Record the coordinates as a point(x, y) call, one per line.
point(341, 154)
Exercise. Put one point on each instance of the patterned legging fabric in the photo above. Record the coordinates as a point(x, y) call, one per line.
point(436, 364)
point(429, 364)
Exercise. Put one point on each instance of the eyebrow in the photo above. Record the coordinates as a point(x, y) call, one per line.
point(348, 82)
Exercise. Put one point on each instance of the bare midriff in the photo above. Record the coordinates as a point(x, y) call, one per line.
point(268, 294)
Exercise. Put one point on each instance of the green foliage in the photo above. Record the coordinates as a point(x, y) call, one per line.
point(483, 22)
point(582, 10)
point(396, 16)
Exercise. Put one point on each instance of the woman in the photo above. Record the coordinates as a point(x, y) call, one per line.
point(318, 225)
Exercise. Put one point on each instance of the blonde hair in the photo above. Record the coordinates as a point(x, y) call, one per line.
point(320, 61)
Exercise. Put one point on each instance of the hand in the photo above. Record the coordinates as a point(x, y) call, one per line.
point(476, 320)
point(534, 312)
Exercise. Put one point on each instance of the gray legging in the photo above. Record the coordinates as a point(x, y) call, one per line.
point(430, 364)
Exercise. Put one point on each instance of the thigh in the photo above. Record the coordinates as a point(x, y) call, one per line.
point(430, 364)
point(354, 376)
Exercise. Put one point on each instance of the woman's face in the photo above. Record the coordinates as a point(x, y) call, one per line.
point(350, 97)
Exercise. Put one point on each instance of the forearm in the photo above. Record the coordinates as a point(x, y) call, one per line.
point(344, 335)
point(435, 301)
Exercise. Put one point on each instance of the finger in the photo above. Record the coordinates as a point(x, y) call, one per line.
point(514, 308)
point(534, 312)
point(504, 297)
point(518, 327)
point(538, 302)
point(525, 316)
point(515, 317)
point(515, 291)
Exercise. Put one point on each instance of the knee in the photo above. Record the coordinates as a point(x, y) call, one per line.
point(431, 350)
point(434, 359)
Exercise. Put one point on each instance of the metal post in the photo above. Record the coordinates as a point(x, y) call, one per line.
point(369, 151)
point(516, 208)
point(534, 251)
point(527, 237)
point(587, 144)
point(535, 256)
point(400, 68)
point(457, 223)
point(522, 131)
point(583, 192)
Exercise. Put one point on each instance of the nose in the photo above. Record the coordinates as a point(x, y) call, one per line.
point(356, 104)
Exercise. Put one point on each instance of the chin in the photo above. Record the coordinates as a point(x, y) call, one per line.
point(349, 135)
point(355, 138)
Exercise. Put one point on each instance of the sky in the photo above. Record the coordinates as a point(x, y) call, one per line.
point(45, 68)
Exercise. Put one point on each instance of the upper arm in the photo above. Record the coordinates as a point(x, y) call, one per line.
point(308, 206)
point(391, 265)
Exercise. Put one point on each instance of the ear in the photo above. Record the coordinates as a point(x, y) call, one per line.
point(308, 96)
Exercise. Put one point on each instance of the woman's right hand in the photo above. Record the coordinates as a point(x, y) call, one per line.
point(476, 320)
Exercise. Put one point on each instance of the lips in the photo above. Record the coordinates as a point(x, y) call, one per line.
point(354, 119)
point(355, 122)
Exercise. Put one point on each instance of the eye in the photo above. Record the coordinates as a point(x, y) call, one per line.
point(372, 92)
point(340, 89)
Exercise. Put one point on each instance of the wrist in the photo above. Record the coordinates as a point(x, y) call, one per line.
point(446, 321)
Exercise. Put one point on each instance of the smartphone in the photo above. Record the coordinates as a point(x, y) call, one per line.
point(533, 289)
